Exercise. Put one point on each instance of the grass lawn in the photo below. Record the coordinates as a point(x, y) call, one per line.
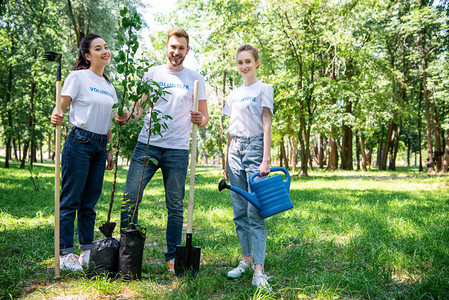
point(351, 235)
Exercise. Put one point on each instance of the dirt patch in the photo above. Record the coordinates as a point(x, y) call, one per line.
point(71, 289)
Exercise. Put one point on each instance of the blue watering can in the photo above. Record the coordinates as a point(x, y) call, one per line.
point(270, 194)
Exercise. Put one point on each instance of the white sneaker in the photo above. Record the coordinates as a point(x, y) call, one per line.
point(84, 258)
point(70, 262)
point(261, 281)
point(237, 272)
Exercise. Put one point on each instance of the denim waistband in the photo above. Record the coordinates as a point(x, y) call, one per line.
point(90, 134)
point(247, 138)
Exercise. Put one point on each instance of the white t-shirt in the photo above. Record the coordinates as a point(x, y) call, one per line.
point(92, 101)
point(245, 107)
point(178, 106)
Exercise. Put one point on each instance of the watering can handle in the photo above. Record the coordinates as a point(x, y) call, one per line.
point(274, 169)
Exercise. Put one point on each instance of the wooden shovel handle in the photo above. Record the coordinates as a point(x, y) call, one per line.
point(57, 177)
point(192, 161)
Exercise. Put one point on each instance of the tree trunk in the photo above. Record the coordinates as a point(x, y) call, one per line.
point(8, 152)
point(294, 160)
point(15, 150)
point(31, 124)
point(408, 154)
point(409, 146)
point(32, 117)
point(307, 138)
point(310, 162)
point(33, 152)
point(346, 144)
point(76, 27)
point(394, 148)
point(346, 158)
point(438, 149)
point(363, 152)
point(430, 162)
point(49, 145)
point(9, 112)
point(392, 164)
point(292, 153)
point(320, 151)
point(53, 155)
point(280, 155)
point(385, 152)
point(445, 164)
point(333, 152)
point(24, 155)
point(203, 136)
point(304, 158)
point(396, 143)
point(380, 151)
point(419, 130)
point(284, 157)
point(20, 150)
point(357, 151)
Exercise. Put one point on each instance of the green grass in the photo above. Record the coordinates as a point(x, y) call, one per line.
point(351, 235)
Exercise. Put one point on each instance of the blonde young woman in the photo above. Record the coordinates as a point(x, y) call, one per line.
point(249, 143)
point(91, 96)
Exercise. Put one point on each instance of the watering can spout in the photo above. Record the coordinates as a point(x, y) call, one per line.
point(252, 198)
point(223, 185)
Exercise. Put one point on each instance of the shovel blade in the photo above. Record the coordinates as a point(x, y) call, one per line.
point(187, 259)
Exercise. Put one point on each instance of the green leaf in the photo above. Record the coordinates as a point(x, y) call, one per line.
point(125, 22)
point(154, 161)
point(123, 11)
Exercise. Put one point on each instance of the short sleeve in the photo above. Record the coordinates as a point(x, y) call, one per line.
point(201, 88)
point(266, 99)
point(71, 86)
point(227, 109)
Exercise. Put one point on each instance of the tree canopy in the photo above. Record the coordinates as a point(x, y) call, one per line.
point(352, 79)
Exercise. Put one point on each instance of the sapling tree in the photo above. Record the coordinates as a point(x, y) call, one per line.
point(131, 70)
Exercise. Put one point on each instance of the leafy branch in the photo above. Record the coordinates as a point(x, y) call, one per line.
point(131, 70)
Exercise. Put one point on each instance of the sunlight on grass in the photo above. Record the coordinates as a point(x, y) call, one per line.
point(350, 235)
point(9, 222)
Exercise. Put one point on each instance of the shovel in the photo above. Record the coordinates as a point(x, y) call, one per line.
point(56, 57)
point(187, 258)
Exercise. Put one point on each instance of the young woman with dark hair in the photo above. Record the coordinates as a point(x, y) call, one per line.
point(91, 96)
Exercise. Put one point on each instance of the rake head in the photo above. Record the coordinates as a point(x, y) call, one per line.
point(52, 56)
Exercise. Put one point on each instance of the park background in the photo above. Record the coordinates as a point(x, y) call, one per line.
point(359, 85)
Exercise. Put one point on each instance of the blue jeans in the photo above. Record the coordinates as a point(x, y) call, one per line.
point(245, 157)
point(173, 164)
point(83, 164)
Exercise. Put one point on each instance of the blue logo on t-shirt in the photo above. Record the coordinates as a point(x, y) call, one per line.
point(174, 85)
point(244, 99)
point(93, 89)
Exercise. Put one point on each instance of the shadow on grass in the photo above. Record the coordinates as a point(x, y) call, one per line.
point(339, 241)
point(372, 242)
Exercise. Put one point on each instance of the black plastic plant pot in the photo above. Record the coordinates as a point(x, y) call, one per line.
point(103, 261)
point(132, 242)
